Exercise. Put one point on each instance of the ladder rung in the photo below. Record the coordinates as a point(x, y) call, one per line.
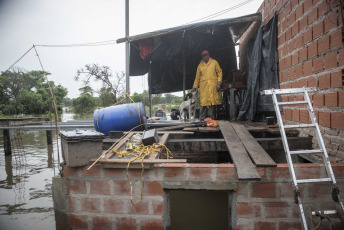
point(306, 151)
point(298, 126)
point(325, 212)
point(313, 180)
point(292, 103)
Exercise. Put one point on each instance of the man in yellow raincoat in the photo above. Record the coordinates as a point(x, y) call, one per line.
point(208, 80)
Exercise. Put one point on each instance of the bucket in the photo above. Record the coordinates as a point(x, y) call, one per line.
point(120, 118)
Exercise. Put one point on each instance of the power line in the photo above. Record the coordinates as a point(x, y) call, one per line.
point(20, 58)
point(101, 43)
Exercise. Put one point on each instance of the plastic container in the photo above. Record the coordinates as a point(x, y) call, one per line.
point(120, 118)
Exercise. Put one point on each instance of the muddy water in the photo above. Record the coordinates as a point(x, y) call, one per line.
point(25, 181)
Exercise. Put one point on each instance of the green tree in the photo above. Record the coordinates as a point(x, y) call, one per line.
point(106, 97)
point(85, 104)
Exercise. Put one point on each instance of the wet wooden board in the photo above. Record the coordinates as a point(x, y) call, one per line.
point(258, 155)
point(246, 170)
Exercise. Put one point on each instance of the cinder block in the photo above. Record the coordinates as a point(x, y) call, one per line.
point(80, 146)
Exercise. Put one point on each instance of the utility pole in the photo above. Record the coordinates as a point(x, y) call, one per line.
point(127, 80)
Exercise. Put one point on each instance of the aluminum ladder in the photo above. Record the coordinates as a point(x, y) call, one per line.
point(330, 176)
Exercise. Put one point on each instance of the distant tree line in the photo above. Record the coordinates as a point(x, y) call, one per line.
point(23, 92)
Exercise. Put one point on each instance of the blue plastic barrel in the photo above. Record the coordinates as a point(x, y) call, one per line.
point(120, 118)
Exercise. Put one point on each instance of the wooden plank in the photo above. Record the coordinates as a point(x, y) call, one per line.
point(162, 141)
point(244, 166)
point(118, 145)
point(147, 164)
point(258, 155)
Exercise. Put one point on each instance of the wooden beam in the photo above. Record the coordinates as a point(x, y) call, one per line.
point(162, 141)
point(243, 164)
point(258, 155)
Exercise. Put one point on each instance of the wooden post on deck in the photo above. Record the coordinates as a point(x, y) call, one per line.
point(49, 137)
point(7, 142)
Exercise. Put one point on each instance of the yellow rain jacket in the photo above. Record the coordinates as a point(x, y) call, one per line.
point(207, 77)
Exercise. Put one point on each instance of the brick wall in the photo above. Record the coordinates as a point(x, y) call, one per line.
point(100, 198)
point(311, 54)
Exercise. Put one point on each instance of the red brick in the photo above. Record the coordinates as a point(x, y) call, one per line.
point(318, 64)
point(174, 172)
point(69, 171)
point(263, 225)
point(100, 187)
point(78, 221)
point(139, 208)
point(114, 206)
point(325, 81)
point(126, 223)
point(226, 171)
point(90, 204)
point(341, 99)
point(73, 204)
point(337, 38)
point(76, 186)
point(294, 58)
point(303, 82)
point(331, 99)
point(251, 209)
point(303, 22)
point(323, 44)
point(263, 190)
point(137, 172)
point(318, 100)
point(341, 57)
point(318, 30)
point(331, 60)
point(152, 188)
point(308, 35)
point(304, 116)
point(200, 172)
point(121, 187)
point(303, 54)
point(151, 224)
point(312, 15)
point(298, 71)
point(337, 119)
point(307, 68)
point(287, 114)
point(324, 7)
point(93, 172)
point(308, 4)
point(158, 207)
point(281, 40)
point(295, 29)
point(299, 11)
point(101, 222)
point(288, 8)
point(307, 171)
point(290, 225)
point(114, 173)
point(288, 34)
point(298, 41)
point(312, 49)
point(295, 115)
point(287, 61)
point(276, 209)
point(294, 3)
point(330, 21)
point(312, 82)
point(324, 118)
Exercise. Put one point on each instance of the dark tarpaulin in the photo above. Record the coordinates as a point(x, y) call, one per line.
point(262, 71)
point(165, 57)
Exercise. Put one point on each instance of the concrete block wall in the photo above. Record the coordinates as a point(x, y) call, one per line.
point(311, 54)
point(100, 198)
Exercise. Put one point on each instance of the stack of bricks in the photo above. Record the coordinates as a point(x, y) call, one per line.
point(311, 54)
point(100, 198)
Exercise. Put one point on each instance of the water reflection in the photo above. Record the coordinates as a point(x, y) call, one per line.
point(25, 182)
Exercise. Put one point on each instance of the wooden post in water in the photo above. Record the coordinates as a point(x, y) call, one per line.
point(7, 142)
point(49, 137)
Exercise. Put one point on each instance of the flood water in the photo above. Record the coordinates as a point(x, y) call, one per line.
point(25, 181)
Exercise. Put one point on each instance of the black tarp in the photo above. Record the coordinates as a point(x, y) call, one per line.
point(170, 48)
point(262, 62)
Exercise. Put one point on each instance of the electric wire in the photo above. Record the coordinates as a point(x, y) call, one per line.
point(19, 58)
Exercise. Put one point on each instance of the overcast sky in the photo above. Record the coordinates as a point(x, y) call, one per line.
point(24, 23)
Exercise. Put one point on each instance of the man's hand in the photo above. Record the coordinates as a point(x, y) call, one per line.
point(218, 87)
